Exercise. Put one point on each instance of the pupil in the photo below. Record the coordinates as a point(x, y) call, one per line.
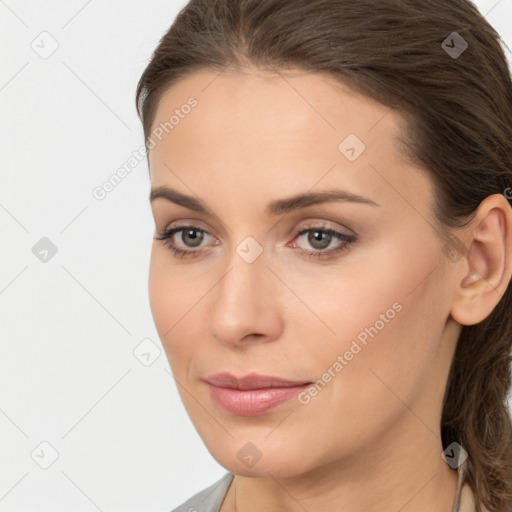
point(196, 240)
point(319, 236)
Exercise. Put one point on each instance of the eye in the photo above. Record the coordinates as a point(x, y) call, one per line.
point(320, 237)
point(191, 236)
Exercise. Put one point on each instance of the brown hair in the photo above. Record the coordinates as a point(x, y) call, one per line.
point(458, 110)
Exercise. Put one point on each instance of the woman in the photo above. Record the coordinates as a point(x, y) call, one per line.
point(330, 275)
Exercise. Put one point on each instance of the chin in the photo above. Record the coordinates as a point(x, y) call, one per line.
point(274, 464)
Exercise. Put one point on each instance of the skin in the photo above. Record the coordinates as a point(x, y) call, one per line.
point(255, 137)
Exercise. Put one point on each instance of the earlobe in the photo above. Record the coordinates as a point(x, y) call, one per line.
point(487, 262)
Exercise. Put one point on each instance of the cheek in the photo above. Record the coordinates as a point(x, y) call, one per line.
point(169, 302)
point(388, 324)
point(180, 304)
point(383, 300)
point(160, 296)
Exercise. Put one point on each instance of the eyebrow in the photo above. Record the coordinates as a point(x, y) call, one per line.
point(277, 207)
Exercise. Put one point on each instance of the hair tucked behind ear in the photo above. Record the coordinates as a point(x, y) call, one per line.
point(458, 113)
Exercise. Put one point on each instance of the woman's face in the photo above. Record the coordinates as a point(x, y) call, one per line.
point(365, 317)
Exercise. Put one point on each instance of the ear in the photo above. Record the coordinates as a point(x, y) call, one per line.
point(485, 270)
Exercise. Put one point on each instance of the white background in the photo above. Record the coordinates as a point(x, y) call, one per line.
point(68, 327)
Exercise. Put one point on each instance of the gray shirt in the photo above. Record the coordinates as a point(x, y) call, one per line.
point(211, 498)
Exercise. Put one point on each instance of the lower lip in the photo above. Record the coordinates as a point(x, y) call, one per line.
point(252, 402)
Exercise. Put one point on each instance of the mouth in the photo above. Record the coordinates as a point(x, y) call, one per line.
point(252, 394)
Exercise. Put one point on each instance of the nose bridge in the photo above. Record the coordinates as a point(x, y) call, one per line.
point(245, 263)
point(243, 304)
point(245, 269)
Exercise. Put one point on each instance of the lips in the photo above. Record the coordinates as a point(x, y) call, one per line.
point(253, 394)
point(252, 381)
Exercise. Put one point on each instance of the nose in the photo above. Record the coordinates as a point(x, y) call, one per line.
point(245, 303)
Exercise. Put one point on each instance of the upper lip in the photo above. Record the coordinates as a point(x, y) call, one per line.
point(252, 381)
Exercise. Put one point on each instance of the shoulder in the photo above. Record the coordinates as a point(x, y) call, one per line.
point(209, 499)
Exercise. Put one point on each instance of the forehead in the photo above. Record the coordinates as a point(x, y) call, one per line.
point(292, 104)
point(280, 131)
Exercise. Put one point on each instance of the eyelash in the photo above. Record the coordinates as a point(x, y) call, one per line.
point(347, 239)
